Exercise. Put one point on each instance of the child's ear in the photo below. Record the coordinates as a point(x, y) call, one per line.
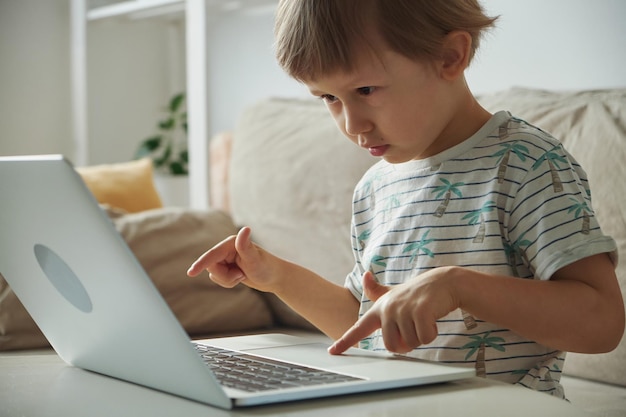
point(455, 55)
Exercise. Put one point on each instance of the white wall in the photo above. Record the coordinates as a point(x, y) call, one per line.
point(554, 44)
point(128, 81)
point(562, 45)
point(559, 44)
point(242, 68)
point(129, 86)
point(34, 79)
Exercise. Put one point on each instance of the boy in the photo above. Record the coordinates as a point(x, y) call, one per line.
point(465, 244)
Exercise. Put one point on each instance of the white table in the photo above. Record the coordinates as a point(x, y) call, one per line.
point(39, 383)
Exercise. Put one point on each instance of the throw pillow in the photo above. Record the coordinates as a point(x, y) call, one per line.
point(165, 241)
point(126, 185)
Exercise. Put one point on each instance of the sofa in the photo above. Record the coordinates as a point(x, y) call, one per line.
point(286, 171)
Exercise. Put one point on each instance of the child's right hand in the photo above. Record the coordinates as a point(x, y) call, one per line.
point(236, 260)
point(330, 307)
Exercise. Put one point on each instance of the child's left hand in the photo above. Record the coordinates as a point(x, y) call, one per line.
point(581, 307)
point(406, 313)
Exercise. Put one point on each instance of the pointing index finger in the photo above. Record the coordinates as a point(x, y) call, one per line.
point(218, 254)
point(365, 326)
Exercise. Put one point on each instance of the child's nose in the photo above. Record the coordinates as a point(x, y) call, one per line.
point(356, 122)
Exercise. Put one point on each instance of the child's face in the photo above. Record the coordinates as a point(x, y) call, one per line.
point(397, 108)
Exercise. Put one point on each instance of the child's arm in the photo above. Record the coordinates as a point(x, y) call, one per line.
point(330, 307)
point(580, 309)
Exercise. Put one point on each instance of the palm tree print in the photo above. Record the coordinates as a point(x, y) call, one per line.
point(515, 251)
point(552, 158)
point(363, 237)
point(504, 128)
point(379, 260)
point(416, 247)
point(468, 320)
point(366, 344)
point(367, 187)
point(521, 372)
point(476, 216)
point(391, 204)
point(504, 155)
point(478, 345)
point(581, 207)
point(509, 251)
point(369, 182)
point(548, 375)
point(447, 188)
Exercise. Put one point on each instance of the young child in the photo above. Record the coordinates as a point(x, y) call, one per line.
point(467, 234)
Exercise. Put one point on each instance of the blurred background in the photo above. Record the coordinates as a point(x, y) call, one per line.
point(92, 84)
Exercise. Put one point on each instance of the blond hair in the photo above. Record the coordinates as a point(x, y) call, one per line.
point(317, 37)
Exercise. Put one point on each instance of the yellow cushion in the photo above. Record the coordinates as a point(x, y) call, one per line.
point(126, 185)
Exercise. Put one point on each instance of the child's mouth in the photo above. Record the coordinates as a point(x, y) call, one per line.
point(378, 150)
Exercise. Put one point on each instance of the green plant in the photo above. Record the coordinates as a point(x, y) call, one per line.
point(168, 148)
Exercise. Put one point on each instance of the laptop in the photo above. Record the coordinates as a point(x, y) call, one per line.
point(64, 259)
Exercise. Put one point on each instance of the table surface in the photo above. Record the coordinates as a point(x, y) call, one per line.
point(39, 383)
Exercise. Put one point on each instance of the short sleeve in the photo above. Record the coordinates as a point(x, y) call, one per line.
point(551, 220)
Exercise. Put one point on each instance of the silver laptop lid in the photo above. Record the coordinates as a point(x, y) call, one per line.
point(78, 279)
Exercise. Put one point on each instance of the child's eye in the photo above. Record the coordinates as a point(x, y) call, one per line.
point(328, 98)
point(365, 91)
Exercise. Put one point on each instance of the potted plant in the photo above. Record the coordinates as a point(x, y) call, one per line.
point(169, 153)
point(168, 147)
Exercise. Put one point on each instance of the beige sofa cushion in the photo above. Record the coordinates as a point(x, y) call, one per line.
point(592, 126)
point(292, 174)
point(291, 179)
point(17, 328)
point(165, 241)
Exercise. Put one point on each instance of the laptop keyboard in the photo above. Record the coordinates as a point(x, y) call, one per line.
point(252, 373)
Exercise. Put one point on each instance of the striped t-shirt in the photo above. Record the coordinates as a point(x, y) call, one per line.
point(509, 200)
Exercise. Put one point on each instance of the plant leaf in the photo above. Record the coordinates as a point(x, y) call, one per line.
point(184, 156)
point(168, 148)
point(176, 168)
point(167, 124)
point(183, 121)
point(148, 146)
point(159, 162)
point(176, 101)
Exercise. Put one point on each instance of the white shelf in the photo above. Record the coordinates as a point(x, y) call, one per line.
point(137, 8)
point(197, 14)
